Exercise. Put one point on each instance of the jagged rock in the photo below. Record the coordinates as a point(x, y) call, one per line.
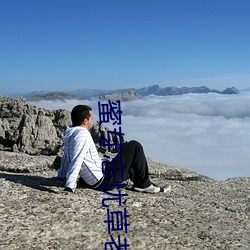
point(125, 95)
point(32, 130)
point(26, 128)
point(37, 133)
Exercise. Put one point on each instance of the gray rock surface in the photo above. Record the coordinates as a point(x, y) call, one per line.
point(17, 162)
point(199, 213)
point(26, 128)
point(36, 131)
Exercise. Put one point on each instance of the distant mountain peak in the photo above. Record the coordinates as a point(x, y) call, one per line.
point(173, 90)
point(56, 95)
point(230, 91)
point(126, 94)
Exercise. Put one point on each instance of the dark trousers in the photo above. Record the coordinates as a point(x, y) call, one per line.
point(135, 168)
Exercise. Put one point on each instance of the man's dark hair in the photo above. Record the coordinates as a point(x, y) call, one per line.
point(79, 113)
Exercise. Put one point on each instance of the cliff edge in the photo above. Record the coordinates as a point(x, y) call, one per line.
point(199, 213)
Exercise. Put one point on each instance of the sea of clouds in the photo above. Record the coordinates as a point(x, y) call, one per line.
point(207, 133)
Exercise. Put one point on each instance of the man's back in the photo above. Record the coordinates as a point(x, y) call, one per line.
point(80, 157)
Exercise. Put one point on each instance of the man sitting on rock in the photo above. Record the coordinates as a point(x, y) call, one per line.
point(81, 158)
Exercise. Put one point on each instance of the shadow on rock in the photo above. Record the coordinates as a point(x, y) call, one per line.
point(35, 182)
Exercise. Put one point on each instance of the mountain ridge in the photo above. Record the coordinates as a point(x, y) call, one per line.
point(103, 94)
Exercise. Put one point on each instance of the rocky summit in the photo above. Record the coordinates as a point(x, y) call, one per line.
point(36, 131)
point(199, 212)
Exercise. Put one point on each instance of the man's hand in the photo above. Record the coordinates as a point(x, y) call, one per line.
point(66, 191)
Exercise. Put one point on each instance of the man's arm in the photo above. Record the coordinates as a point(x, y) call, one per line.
point(78, 148)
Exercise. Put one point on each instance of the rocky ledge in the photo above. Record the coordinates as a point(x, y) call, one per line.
point(36, 131)
point(199, 213)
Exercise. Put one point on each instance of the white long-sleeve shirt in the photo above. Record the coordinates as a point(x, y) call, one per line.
point(80, 157)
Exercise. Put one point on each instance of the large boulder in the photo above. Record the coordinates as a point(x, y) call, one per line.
point(37, 133)
point(27, 128)
point(32, 130)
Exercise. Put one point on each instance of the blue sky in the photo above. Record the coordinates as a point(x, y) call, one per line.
point(71, 44)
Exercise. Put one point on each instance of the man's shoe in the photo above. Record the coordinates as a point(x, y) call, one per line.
point(151, 189)
point(154, 189)
point(166, 188)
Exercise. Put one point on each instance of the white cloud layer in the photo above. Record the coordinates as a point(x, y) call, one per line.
point(207, 133)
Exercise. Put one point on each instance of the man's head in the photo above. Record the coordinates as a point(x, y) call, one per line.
point(81, 115)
